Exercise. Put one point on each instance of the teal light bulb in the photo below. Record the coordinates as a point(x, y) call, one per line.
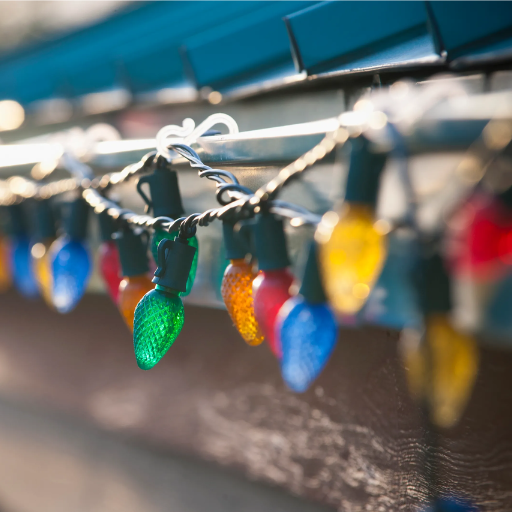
point(158, 236)
point(159, 318)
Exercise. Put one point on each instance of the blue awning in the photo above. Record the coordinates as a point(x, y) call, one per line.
point(346, 36)
point(252, 45)
point(226, 45)
point(469, 30)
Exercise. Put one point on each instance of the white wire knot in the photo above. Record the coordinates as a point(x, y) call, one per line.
point(189, 133)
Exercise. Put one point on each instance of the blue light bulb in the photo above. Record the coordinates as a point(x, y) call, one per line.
point(393, 302)
point(308, 334)
point(21, 263)
point(450, 505)
point(71, 267)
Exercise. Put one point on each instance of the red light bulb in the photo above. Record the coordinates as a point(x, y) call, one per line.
point(271, 289)
point(479, 238)
point(110, 267)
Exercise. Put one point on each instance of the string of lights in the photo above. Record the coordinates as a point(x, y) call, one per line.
point(236, 203)
point(360, 269)
point(240, 198)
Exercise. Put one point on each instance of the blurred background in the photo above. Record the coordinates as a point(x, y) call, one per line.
point(35, 22)
point(213, 426)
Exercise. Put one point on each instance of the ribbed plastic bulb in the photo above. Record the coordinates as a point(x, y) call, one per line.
point(478, 239)
point(131, 291)
point(352, 251)
point(20, 260)
point(236, 292)
point(21, 264)
point(5, 265)
point(70, 259)
point(442, 369)
point(158, 236)
point(307, 329)
point(271, 289)
point(159, 318)
point(110, 268)
point(71, 269)
point(43, 236)
point(308, 334)
point(42, 269)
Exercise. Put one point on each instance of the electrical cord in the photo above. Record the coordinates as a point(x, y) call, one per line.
point(236, 201)
point(242, 203)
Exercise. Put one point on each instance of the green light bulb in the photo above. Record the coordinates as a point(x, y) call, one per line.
point(158, 236)
point(159, 318)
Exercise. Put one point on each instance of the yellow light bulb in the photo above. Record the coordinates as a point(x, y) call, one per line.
point(236, 291)
point(352, 249)
point(442, 370)
point(131, 291)
point(5, 270)
point(42, 269)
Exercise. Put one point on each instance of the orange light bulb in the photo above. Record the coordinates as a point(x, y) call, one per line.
point(42, 269)
point(5, 271)
point(236, 291)
point(131, 291)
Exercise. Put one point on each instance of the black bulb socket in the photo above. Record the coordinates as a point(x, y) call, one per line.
point(175, 259)
point(164, 189)
point(364, 172)
point(17, 220)
point(44, 220)
point(312, 288)
point(75, 225)
point(236, 243)
point(434, 285)
point(132, 252)
point(270, 242)
point(107, 226)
